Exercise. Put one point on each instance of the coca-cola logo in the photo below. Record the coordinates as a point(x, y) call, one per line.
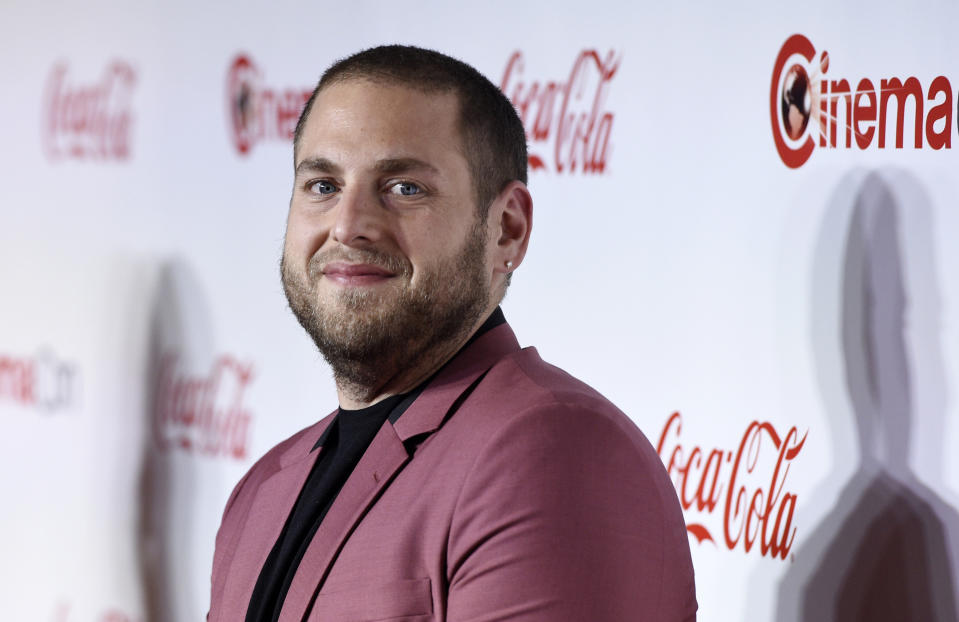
point(203, 413)
point(808, 109)
point(567, 125)
point(43, 381)
point(89, 121)
point(744, 489)
point(256, 112)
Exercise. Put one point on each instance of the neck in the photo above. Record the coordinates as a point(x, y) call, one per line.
point(369, 382)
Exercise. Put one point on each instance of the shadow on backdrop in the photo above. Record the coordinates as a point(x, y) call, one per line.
point(887, 550)
point(180, 328)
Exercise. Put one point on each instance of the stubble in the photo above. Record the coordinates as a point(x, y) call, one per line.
point(370, 337)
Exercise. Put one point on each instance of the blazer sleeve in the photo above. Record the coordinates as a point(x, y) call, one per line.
point(568, 515)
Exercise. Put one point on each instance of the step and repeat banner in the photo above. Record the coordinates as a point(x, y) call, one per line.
point(745, 235)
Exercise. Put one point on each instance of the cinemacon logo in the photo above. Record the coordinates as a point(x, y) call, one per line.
point(257, 112)
point(43, 381)
point(807, 109)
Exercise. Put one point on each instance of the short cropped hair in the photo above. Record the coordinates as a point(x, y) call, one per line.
point(492, 134)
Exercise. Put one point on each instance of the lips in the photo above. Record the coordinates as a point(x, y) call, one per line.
point(355, 274)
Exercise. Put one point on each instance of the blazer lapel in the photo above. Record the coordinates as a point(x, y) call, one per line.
point(428, 412)
point(274, 497)
point(376, 468)
point(385, 456)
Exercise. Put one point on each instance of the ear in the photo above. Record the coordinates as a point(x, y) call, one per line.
point(511, 221)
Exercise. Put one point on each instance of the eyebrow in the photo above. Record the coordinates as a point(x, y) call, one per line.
point(386, 166)
point(318, 165)
point(399, 165)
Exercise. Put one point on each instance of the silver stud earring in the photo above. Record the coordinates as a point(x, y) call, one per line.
point(509, 265)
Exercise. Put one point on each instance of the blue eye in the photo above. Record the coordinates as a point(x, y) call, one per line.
point(323, 187)
point(405, 188)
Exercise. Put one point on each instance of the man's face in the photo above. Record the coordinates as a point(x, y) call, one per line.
point(385, 257)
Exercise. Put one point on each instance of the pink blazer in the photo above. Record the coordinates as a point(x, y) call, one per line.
point(508, 490)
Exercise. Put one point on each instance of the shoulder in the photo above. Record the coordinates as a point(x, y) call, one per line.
point(561, 479)
point(521, 392)
point(527, 406)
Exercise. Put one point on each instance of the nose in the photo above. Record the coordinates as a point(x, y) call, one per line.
point(359, 218)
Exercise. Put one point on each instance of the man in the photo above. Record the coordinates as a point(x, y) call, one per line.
point(462, 478)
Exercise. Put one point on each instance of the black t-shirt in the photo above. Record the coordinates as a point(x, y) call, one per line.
point(344, 442)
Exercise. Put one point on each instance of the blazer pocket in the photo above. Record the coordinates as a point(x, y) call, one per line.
point(400, 601)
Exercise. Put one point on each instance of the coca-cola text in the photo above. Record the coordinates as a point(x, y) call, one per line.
point(203, 414)
point(571, 115)
point(757, 508)
point(91, 121)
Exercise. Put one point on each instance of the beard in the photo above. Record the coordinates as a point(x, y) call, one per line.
point(368, 336)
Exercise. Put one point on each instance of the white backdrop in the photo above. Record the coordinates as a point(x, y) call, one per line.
point(802, 321)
